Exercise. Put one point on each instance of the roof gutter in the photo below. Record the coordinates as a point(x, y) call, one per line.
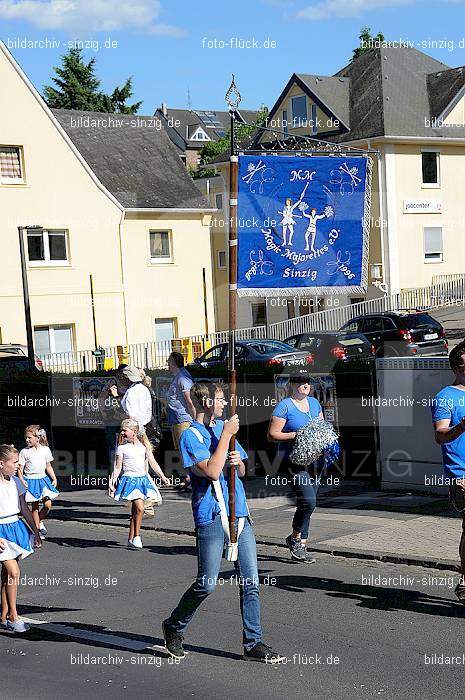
point(410, 139)
point(58, 126)
point(169, 210)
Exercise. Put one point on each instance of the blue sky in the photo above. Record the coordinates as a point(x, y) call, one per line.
point(164, 44)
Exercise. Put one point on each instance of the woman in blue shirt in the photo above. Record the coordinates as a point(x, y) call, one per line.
point(289, 415)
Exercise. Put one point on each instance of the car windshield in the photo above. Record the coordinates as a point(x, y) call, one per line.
point(264, 348)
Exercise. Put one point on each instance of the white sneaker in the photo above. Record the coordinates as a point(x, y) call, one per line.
point(136, 542)
point(42, 529)
point(17, 626)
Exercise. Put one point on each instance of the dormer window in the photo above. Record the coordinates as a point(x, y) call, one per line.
point(200, 135)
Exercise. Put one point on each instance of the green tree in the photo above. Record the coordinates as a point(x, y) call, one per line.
point(77, 87)
point(212, 149)
point(366, 41)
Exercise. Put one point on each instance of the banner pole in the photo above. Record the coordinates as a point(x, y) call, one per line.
point(232, 98)
point(233, 167)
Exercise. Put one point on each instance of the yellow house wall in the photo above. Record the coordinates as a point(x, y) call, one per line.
point(58, 193)
point(457, 114)
point(168, 290)
point(326, 125)
point(414, 272)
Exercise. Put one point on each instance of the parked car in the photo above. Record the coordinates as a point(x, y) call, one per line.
point(271, 353)
point(330, 347)
point(400, 333)
point(15, 362)
point(21, 350)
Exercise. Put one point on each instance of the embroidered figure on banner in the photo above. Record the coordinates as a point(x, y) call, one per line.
point(288, 220)
point(260, 266)
point(313, 217)
point(346, 178)
point(257, 175)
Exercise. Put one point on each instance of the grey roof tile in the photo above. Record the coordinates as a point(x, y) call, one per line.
point(133, 158)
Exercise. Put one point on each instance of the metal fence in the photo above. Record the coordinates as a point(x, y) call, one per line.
point(445, 290)
point(149, 355)
point(444, 293)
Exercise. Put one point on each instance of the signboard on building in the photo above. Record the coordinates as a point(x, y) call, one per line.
point(422, 206)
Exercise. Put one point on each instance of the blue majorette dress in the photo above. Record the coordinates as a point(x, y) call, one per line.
point(18, 538)
point(134, 481)
point(33, 461)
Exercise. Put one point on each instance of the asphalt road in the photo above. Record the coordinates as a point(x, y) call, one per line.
point(345, 635)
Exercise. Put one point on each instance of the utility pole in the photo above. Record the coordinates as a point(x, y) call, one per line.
point(27, 305)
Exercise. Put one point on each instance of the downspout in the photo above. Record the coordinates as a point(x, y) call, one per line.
point(123, 277)
point(386, 278)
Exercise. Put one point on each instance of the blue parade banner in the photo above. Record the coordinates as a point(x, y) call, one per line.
point(303, 224)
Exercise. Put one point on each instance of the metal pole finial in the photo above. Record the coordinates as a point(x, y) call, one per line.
point(233, 96)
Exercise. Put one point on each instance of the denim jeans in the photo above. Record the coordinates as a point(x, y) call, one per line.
point(210, 545)
point(305, 488)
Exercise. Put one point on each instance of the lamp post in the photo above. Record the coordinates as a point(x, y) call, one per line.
point(27, 305)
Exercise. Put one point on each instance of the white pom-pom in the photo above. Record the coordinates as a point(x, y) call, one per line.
point(311, 441)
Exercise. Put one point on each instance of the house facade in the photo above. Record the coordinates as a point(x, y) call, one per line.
point(112, 201)
point(411, 109)
point(189, 130)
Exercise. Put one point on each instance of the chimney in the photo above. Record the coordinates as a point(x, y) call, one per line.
point(164, 109)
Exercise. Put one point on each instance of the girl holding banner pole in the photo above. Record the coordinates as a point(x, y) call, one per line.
point(205, 449)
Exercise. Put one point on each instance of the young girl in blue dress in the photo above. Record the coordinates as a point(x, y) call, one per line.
point(130, 480)
point(36, 473)
point(16, 539)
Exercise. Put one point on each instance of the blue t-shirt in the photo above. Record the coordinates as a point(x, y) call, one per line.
point(204, 504)
point(177, 411)
point(449, 404)
point(295, 418)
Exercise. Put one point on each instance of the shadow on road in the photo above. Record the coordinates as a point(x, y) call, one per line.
point(377, 597)
point(112, 640)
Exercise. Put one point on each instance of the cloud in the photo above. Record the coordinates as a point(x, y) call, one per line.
point(345, 8)
point(92, 15)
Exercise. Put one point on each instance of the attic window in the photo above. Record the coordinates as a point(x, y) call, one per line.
point(11, 171)
point(200, 135)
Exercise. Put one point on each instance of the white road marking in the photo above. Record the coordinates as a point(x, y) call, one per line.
point(89, 636)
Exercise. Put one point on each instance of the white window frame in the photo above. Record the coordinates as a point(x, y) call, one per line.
point(432, 261)
point(314, 118)
point(15, 180)
point(161, 261)
point(220, 266)
point(200, 135)
point(293, 125)
point(285, 121)
point(51, 335)
point(262, 304)
point(431, 185)
point(174, 320)
point(46, 262)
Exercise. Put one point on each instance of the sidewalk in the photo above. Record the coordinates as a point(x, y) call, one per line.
point(351, 521)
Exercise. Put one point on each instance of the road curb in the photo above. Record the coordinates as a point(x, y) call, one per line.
point(348, 552)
